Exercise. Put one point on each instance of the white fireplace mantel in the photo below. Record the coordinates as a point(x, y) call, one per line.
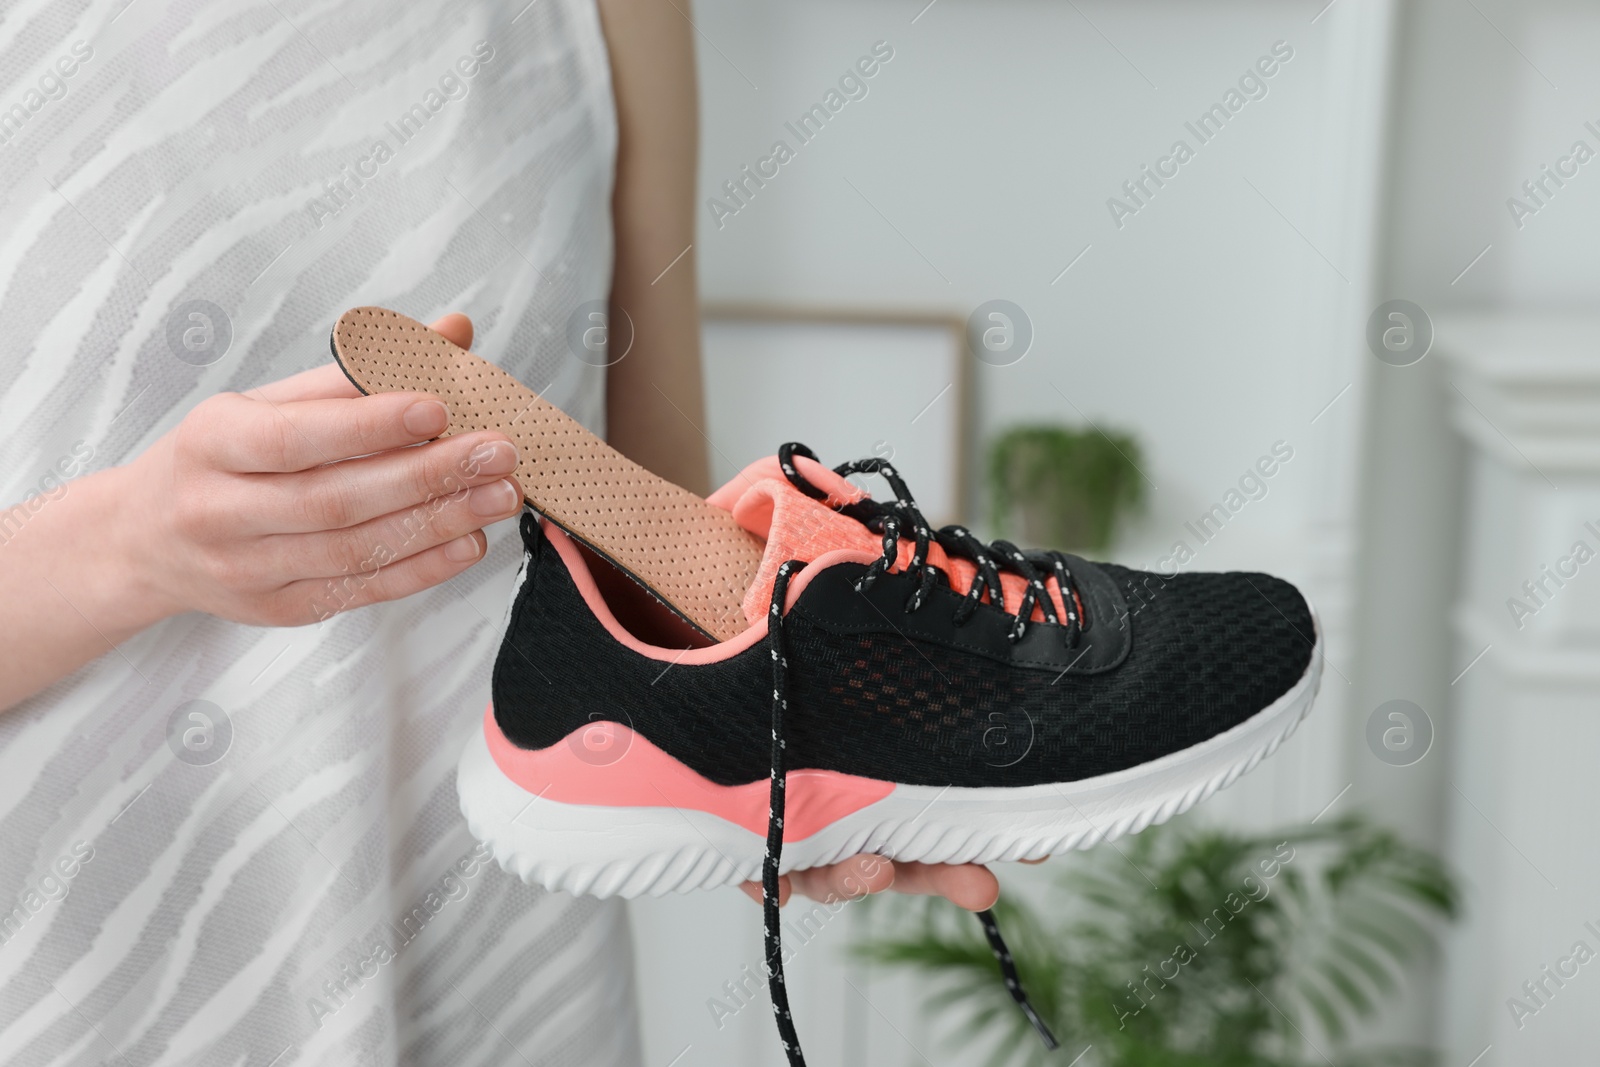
point(1523, 731)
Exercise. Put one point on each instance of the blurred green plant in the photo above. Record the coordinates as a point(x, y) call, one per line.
point(1188, 947)
point(1054, 487)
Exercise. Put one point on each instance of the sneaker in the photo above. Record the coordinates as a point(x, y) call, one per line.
point(927, 718)
point(885, 688)
point(898, 690)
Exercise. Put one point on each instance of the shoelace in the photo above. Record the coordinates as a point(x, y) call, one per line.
point(894, 519)
point(889, 515)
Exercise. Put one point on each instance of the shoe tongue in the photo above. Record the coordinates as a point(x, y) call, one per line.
point(793, 525)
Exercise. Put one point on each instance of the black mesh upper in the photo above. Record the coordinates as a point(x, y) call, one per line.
point(1209, 651)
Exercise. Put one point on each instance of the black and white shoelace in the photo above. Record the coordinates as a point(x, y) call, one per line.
point(774, 857)
point(901, 518)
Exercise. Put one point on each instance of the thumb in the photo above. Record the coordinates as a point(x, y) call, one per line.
point(456, 328)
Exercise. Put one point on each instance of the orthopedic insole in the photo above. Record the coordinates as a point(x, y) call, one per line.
point(691, 555)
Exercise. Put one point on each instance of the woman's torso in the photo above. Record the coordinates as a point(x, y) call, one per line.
point(286, 875)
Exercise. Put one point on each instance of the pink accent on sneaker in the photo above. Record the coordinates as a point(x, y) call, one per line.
point(840, 490)
point(794, 526)
point(643, 776)
point(578, 568)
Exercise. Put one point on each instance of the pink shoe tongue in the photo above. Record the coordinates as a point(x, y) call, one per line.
point(793, 525)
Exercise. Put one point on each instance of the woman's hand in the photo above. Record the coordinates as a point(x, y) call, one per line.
point(289, 503)
point(283, 505)
point(966, 885)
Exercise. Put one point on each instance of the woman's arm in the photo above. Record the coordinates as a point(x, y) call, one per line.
point(655, 411)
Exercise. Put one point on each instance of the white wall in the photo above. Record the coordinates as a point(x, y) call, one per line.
point(1485, 95)
point(1220, 319)
point(991, 142)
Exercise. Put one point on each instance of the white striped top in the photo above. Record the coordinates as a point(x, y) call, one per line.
point(224, 844)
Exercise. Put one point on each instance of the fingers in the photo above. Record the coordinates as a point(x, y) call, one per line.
point(966, 885)
point(456, 328)
point(387, 539)
point(317, 417)
point(317, 599)
point(235, 433)
point(329, 381)
point(753, 890)
point(356, 491)
point(326, 382)
point(848, 879)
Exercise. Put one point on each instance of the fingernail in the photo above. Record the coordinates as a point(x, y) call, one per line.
point(496, 498)
point(462, 550)
point(494, 457)
point(426, 418)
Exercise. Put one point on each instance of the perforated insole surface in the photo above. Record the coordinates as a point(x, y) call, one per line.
point(690, 554)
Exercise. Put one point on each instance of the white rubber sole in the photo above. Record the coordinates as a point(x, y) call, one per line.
point(631, 851)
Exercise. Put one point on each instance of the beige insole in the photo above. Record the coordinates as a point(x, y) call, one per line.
point(691, 555)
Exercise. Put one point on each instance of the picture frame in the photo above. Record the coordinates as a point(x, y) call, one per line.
point(849, 384)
